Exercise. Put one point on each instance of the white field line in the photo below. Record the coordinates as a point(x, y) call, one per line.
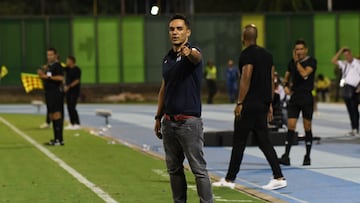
point(97, 190)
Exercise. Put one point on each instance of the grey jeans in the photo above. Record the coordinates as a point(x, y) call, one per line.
point(186, 138)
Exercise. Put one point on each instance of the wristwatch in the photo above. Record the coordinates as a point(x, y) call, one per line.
point(158, 117)
point(239, 103)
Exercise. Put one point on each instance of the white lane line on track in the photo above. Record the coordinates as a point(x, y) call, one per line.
point(272, 191)
point(326, 163)
point(97, 190)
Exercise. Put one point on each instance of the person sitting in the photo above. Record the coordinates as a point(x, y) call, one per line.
point(322, 85)
point(279, 106)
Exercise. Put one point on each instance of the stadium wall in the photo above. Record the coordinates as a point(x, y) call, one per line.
point(129, 49)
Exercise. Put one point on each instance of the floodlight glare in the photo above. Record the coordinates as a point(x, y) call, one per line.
point(154, 10)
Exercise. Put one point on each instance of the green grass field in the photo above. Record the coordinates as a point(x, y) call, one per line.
point(126, 174)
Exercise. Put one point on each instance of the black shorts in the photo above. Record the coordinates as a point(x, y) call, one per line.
point(303, 103)
point(54, 102)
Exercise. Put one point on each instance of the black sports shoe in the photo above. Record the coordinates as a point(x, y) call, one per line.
point(55, 143)
point(284, 160)
point(307, 161)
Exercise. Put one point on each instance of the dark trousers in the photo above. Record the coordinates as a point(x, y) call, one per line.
point(351, 100)
point(322, 93)
point(212, 89)
point(253, 119)
point(71, 101)
point(232, 91)
point(47, 119)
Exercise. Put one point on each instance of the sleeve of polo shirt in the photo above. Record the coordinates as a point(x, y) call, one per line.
point(357, 65)
point(312, 64)
point(198, 49)
point(341, 64)
point(77, 74)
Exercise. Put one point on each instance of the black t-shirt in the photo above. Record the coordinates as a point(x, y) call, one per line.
point(182, 85)
point(52, 86)
point(302, 85)
point(73, 74)
point(260, 89)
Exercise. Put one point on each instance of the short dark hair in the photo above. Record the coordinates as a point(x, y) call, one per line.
point(300, 41)
point(52, 49)
point(250, 32)
point(180, 17)
point(346, 50)
point(72, 58)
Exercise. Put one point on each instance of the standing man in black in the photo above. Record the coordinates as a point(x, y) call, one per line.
point(253, 110)
point(53, 78)
point(301, 71)
point(72, 90)
point(179, 108)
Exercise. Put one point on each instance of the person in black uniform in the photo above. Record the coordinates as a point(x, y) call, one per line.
point(301, 71)
point(179, 108)
point(72, 90)
point(253, 110)
point(53, 78)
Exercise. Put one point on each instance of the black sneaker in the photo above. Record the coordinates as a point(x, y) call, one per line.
point(307, 161)
point(55, 143)
point(284, 160)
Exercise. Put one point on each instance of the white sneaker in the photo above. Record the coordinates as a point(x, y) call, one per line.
point(353, 132)
point(275, 184)
point(76, 127)
point(69, 127)
point(44, 125)
point(224, 183)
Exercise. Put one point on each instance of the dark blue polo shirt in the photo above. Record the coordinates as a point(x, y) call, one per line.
point(182, 85)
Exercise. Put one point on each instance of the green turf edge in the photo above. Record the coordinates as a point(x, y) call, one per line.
point(240, 188)
point(20, 180)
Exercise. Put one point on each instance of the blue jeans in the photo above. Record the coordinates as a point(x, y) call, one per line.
point(180, 139)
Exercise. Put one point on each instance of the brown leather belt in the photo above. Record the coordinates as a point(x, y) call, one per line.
point(178, 117)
